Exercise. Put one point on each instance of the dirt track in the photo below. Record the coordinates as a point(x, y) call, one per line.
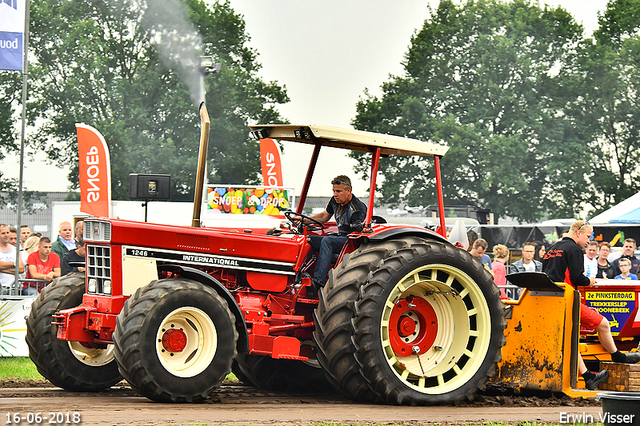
point(241, 405)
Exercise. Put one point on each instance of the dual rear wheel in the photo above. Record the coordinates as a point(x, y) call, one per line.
point(410, 322)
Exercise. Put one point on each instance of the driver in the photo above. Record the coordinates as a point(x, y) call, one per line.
point(349, 212)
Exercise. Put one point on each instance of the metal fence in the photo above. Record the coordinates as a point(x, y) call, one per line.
point(38, 216)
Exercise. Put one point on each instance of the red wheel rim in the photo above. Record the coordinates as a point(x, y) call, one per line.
point(413, 326)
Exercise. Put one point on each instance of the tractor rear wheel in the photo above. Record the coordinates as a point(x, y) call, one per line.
point(175, 340)
point(73, 366)
point(429, 325)
point(336, 312)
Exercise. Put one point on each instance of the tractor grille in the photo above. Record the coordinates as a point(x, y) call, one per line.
point(98, 269)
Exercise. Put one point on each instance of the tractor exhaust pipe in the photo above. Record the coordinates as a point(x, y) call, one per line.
point(202, 163)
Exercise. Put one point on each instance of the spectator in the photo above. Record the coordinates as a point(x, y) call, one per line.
point(590, 261)
point(628, 250)
point(605, 268)
point(564, 262)
point(501, 255)
point(527, 263)
point(540, 251)
point(7, 261)
point(79, 229)
point(65, 241)
point(25, 232)
point(30, 245)
point(478, 251)
point(41, 265)
point(625, 267)
point(74, 260)
point(13, 236)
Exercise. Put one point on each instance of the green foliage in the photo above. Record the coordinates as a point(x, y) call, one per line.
point(609, 111)
point(129, 68)
point(487, 79)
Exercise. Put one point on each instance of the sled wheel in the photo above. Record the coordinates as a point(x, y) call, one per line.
point(284, 375)
point(175, 340)
point(336, 312)
point(73, 366)
point(429, 326)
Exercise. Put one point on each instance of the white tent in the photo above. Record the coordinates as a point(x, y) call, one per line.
point(620, 213)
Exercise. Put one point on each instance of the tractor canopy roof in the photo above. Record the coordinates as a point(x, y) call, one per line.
point(355, 140)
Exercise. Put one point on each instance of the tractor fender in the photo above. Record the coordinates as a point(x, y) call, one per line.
point(206, 279)
point(400, 231)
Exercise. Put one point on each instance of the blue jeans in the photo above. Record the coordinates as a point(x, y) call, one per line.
point(325, 246)
point(30, 291)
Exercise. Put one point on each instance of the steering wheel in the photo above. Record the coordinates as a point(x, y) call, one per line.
point(298, 221)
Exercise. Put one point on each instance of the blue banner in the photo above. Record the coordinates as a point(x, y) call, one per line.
point(11, 51)
point(12, 14)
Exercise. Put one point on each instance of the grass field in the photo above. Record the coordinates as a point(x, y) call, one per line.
point(18, 368)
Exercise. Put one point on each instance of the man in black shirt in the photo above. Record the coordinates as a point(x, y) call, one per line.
point(349, 212)
point(73, 260)
point(564, 262)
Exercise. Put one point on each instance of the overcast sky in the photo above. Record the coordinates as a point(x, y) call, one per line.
point(326, 53)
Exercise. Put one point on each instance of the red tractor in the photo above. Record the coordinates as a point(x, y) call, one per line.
point(405, 317)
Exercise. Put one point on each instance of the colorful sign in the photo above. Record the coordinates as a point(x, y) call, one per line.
point(271, 165)
point(248, 200)
point(13, 326)
point(12, 14)
point(95, 172)
point(615, 306)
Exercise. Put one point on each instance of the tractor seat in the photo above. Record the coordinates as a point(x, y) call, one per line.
point(378, 219)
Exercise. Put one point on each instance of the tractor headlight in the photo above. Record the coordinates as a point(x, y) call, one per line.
point(106, 286)
point(92, 285)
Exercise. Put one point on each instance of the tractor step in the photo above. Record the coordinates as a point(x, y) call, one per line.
point(622, 377)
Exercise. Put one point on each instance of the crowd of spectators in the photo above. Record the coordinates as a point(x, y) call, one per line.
point(597, 261)
point(40, 260)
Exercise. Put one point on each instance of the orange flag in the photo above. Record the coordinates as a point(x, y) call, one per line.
point(270, 159)
point(95, 172)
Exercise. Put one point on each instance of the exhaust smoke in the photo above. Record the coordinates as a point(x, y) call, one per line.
point(178, 43)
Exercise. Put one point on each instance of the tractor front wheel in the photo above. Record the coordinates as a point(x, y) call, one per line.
point(73, 366)
point(175, 340)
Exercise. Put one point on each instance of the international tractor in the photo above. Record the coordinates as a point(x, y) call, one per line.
point(405, 317)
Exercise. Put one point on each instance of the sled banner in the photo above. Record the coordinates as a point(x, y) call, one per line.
point(270, 160)
point(12, 13)
point(95, 172)
point(13, 325)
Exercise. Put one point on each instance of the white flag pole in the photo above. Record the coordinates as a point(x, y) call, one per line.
point(25, 56)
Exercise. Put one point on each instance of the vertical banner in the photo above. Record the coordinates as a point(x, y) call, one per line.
point(95, 172)
point(12, 16)
point(270, 160)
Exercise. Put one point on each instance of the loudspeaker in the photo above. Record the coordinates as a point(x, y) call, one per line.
point(149, 187)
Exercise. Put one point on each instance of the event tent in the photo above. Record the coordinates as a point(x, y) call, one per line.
point(628, 211)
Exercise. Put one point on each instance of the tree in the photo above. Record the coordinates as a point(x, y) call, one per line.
point(127, 68)
point(11, 94)
point(487, 78)
point(609, 112)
